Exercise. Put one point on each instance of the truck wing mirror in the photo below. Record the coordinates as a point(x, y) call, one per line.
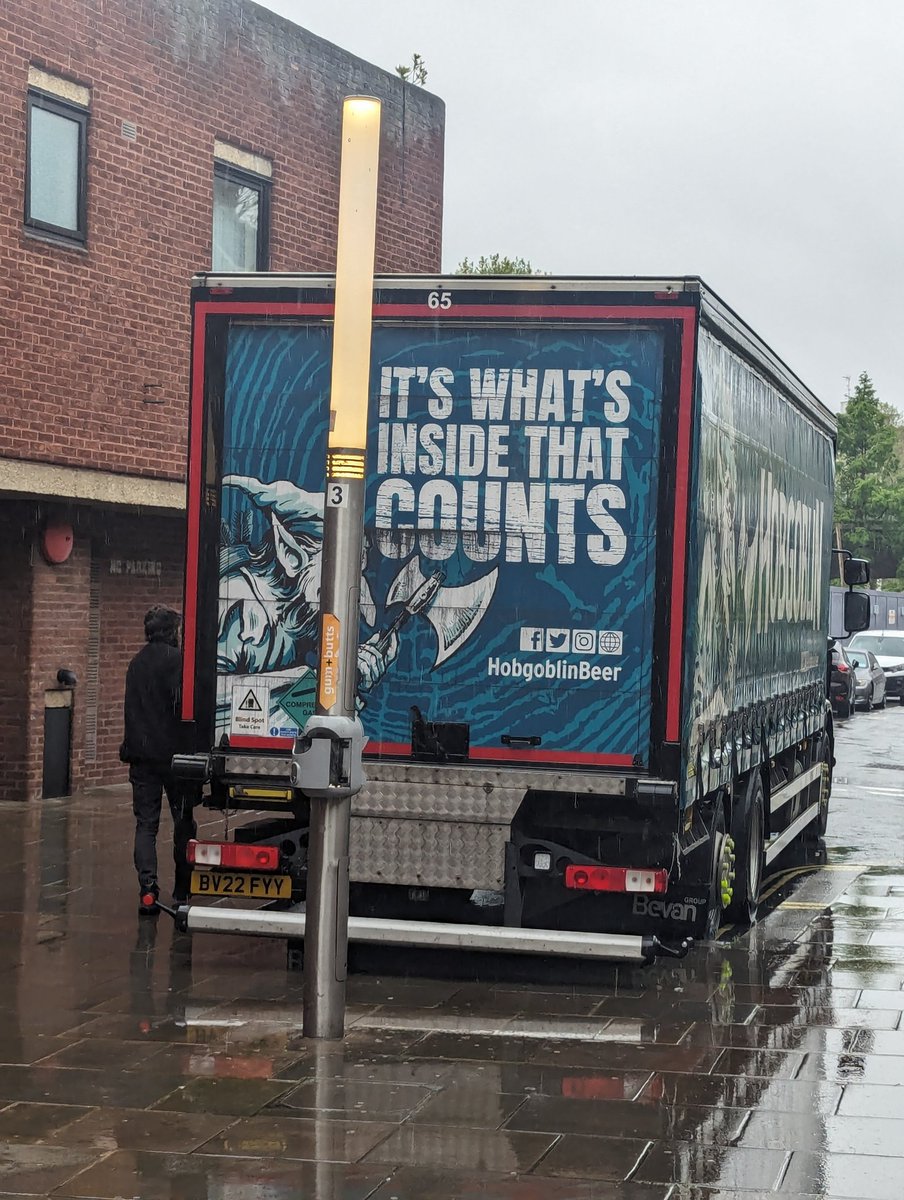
point(856, 611)
point(856, 571)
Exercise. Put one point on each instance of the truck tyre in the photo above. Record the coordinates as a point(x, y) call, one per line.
point(748, 833)
point(819, 793)
point(823, 789)
point(720, 873)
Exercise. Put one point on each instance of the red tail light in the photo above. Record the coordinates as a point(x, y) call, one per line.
point(842, 667)
point(233, 854)
point(616, 879)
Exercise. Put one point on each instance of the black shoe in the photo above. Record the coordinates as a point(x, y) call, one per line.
point(180, 897)
point(147, 905)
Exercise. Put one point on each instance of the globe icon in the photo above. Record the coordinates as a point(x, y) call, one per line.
point(610, 643)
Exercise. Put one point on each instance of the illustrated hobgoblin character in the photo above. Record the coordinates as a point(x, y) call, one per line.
point(269, 592)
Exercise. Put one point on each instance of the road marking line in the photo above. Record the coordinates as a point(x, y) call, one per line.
point(854, 866)
point(868, 791)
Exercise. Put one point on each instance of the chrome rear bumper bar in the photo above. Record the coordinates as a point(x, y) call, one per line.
point(197, 918)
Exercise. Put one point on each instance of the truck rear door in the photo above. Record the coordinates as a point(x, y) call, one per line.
point(513, 499)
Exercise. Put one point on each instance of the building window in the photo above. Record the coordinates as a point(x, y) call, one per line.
point(56, 172)
point(240, 219)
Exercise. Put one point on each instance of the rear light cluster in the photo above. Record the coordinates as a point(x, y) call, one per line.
point(233, 854)
point(616, 879)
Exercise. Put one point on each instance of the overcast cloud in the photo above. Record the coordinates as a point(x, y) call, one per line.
point(757, 144)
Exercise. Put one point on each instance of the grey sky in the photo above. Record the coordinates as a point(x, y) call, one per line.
point(754, 142)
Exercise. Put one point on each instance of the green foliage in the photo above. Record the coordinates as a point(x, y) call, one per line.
point(416, 73)
point(496, 264)
point(869, 488)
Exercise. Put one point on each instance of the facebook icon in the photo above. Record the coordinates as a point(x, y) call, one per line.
point(532, 640)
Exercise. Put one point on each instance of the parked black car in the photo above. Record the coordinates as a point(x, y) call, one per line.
point(842, 683)
point(870, 679)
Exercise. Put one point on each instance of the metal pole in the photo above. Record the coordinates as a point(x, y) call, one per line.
point(326, 927)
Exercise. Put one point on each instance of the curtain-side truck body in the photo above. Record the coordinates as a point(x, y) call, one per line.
point(593, 616)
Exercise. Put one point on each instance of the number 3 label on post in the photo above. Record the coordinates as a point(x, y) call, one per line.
point(336, 495)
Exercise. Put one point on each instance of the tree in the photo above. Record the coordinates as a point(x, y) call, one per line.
point(496, 264)
point(869, 490)
point(416, 73)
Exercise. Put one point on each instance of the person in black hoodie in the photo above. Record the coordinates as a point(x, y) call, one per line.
point(152, 724)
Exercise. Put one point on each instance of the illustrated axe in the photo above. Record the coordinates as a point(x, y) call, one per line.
point(454, 612)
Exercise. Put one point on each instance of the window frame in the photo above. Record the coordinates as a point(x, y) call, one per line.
point(230, 173)
point(36, 98)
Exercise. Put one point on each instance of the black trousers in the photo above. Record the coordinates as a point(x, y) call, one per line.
point(149, 782)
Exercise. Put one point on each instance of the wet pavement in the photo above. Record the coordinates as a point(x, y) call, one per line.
point(136, 1062)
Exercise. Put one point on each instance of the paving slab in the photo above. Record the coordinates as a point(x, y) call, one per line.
point(728, 1166)
point(412, 1183)
point(504, 1151)
point(848, 1176)
point(152, 1176)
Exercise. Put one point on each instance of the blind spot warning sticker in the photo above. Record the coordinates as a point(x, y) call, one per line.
point(250, 708)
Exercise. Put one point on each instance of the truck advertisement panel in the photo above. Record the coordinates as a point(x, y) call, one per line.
point(509, 545)
point(759, 580)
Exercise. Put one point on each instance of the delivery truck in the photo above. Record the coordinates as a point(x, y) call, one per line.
point(594, 607)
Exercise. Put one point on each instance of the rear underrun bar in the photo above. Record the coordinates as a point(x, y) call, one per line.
point(197, 918)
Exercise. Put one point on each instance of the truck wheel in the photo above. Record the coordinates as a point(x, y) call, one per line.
point(824, 784)
point(819, 793)
point(721, 876)
point(747, 831)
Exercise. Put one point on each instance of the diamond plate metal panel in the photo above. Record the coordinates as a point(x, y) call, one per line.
point(258, 764)
point(434, 802)
point(452, 789)
point(425, 825)
point(427, 853)
point(453, 778)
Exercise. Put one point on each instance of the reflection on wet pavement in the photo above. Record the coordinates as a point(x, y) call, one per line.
point(136, 1062)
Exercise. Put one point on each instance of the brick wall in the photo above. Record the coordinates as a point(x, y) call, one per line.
point(124, 599)
point(50, 626)
point(89, 334)
point(15, 643)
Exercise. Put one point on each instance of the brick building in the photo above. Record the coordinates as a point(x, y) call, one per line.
point(141, 141)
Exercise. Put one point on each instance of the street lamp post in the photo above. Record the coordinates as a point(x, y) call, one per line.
point(326, 763)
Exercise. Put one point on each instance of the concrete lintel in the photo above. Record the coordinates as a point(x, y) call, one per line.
point(256, 163)
point(56, 85)
point(19, 477)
